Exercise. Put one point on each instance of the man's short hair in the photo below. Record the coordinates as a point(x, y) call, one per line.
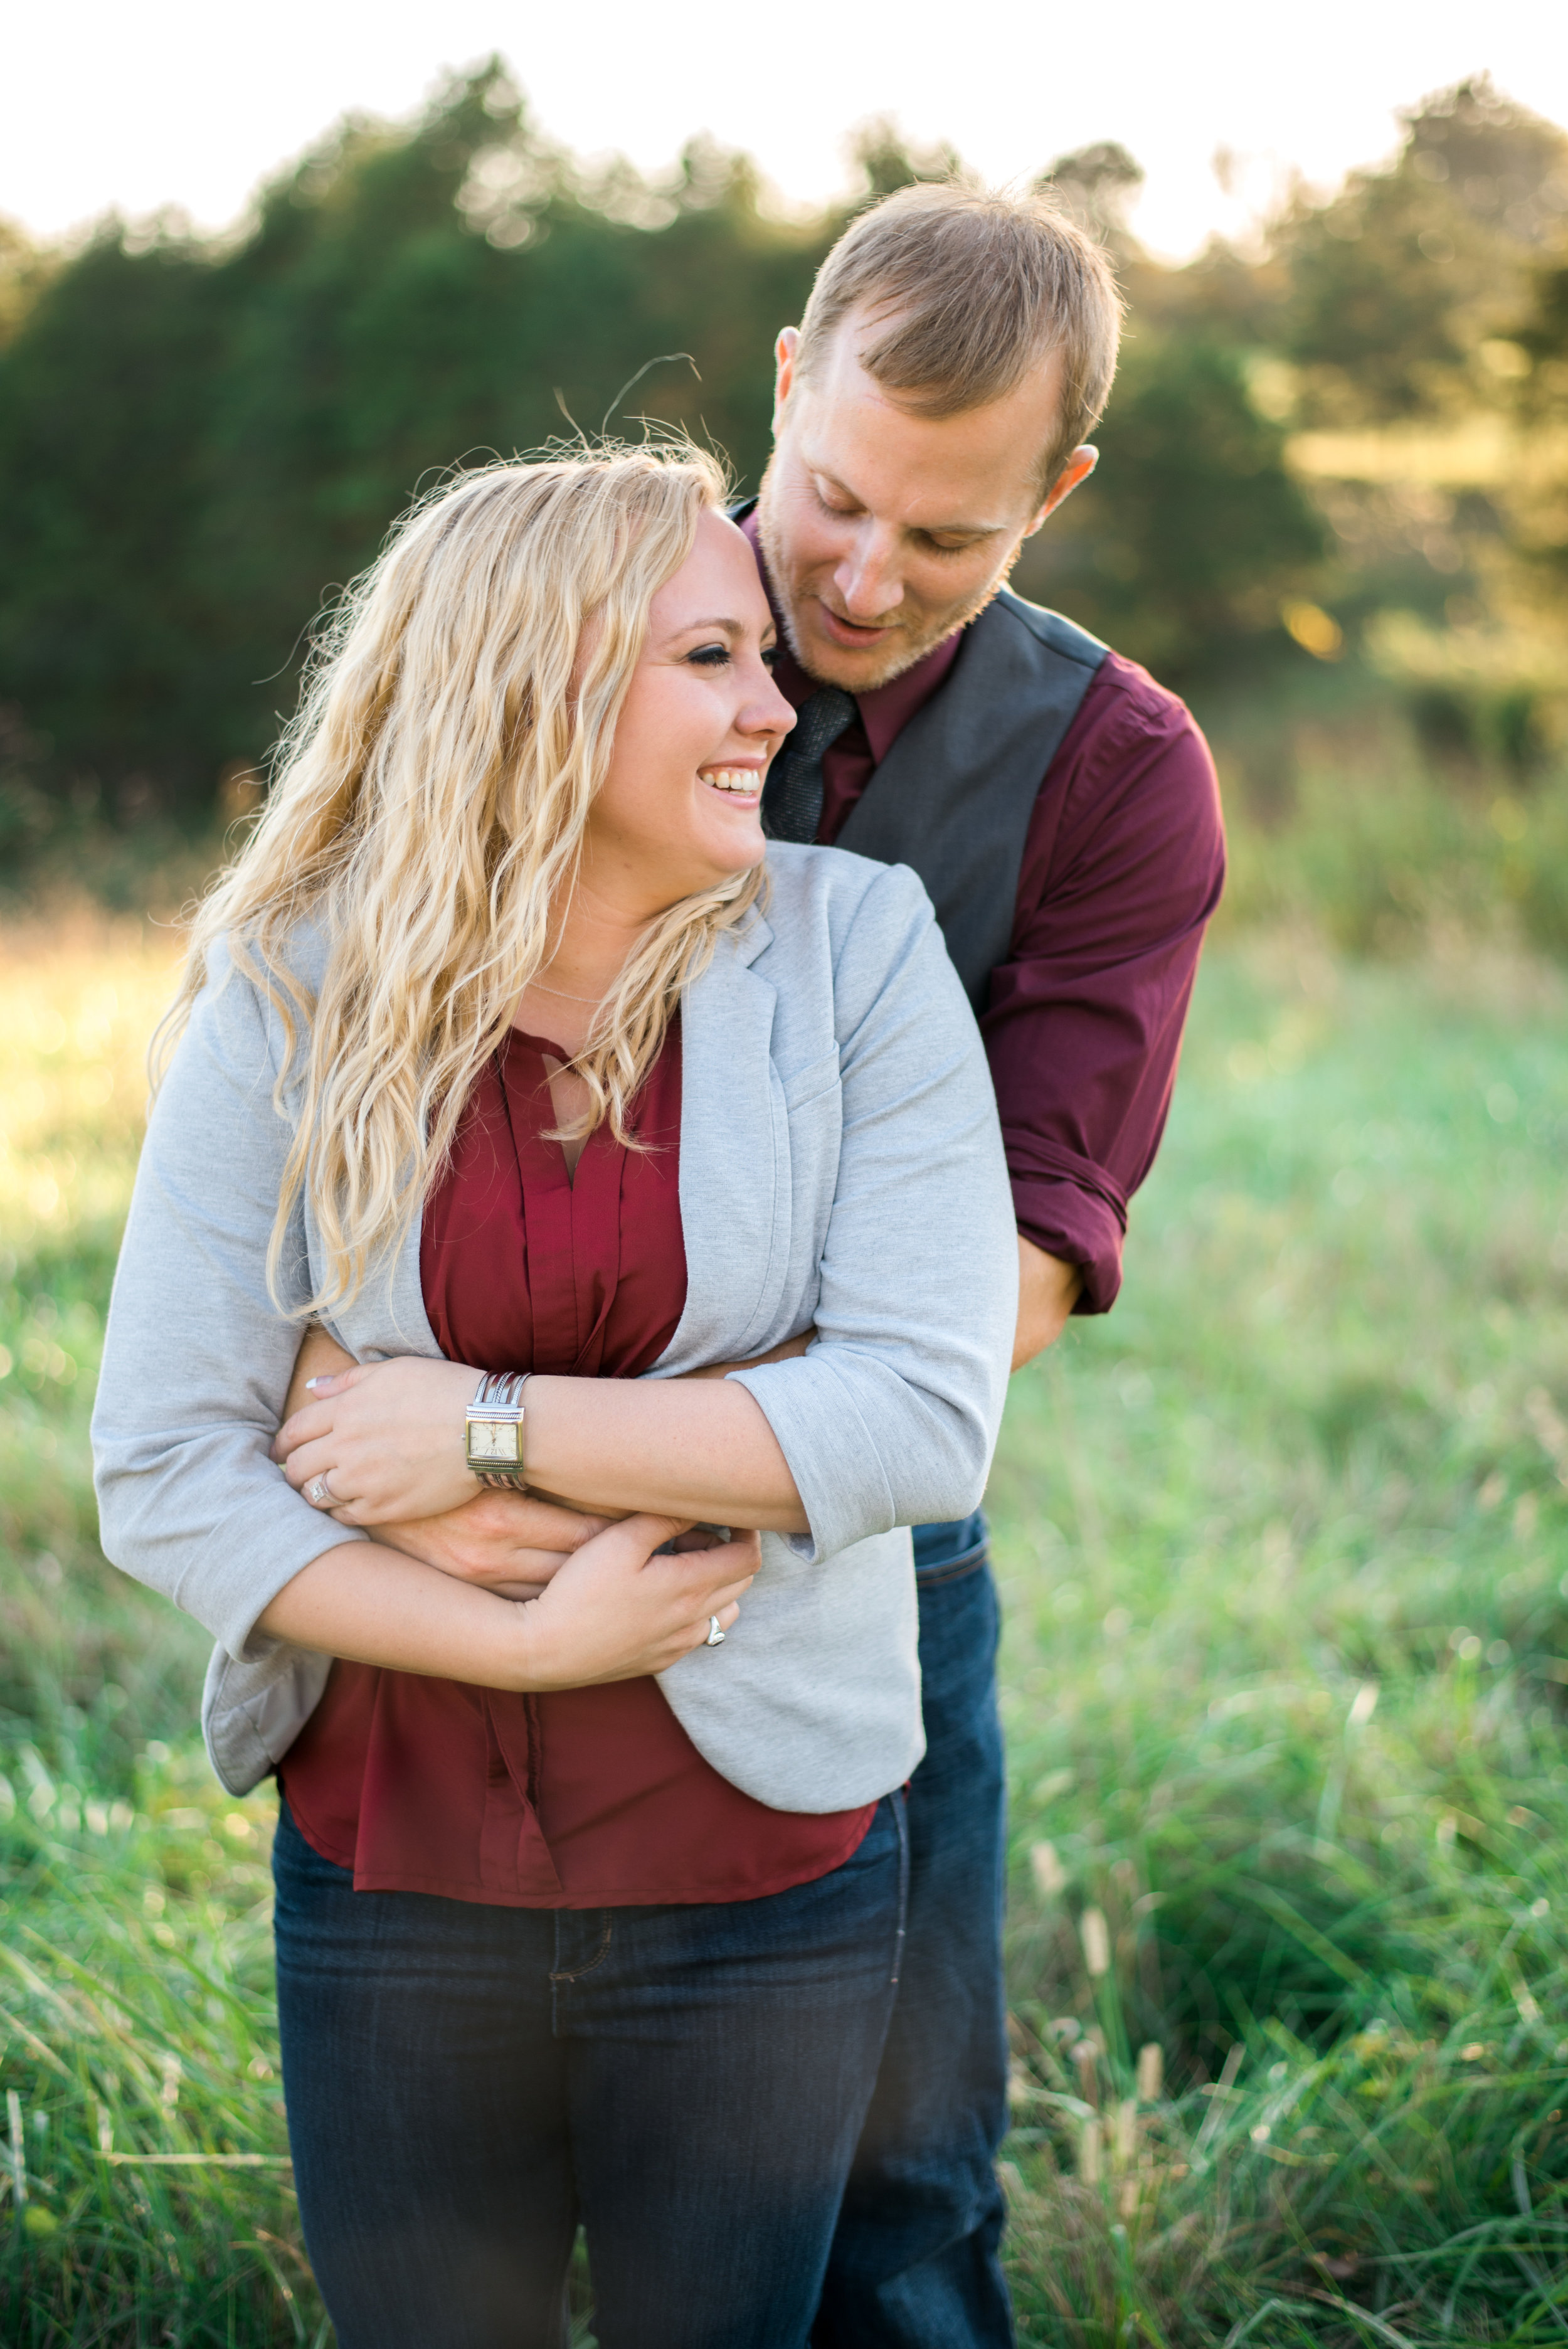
point(963, 292)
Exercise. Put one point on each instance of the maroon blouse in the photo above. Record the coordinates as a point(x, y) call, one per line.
point(575, 1798)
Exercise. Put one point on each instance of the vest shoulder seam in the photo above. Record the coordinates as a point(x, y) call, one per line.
point(1038, 620)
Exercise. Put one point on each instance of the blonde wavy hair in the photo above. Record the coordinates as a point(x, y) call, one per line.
point(428, 812)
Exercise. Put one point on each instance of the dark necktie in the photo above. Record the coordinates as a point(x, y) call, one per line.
point(792, 796)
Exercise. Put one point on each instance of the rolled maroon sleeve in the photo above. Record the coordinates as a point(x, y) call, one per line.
point(1123, 864)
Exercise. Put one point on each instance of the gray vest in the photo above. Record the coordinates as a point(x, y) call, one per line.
point(955, 795)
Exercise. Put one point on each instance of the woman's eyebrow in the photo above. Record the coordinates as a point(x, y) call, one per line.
point(730, 628)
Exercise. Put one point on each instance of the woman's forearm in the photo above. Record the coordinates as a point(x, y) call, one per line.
point(620, 1606)
point(373, 1606)
point(698, 1449)
point(384, 1443)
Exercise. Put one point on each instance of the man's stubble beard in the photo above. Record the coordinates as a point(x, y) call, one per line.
point(912, 651)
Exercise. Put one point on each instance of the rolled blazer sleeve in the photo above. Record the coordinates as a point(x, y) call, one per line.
point(197, 1357)
point(892, 1417)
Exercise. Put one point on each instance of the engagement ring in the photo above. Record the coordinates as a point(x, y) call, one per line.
point(319, 1492)
point(714, 1636)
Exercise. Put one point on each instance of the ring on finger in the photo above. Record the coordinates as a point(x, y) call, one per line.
point(714, 1636)
point(319, 1492)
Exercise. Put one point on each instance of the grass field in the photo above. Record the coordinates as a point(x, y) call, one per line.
point(1283, 1543)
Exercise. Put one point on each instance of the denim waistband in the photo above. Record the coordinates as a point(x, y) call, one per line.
point(938, 1549)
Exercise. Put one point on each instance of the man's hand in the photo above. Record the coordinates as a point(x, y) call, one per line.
point(788, 1350)
point(1048, 1291)
point(509, 1543)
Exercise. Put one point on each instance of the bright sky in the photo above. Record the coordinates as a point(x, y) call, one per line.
point(191, 102)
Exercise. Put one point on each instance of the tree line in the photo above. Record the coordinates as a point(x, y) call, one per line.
point(203, 441)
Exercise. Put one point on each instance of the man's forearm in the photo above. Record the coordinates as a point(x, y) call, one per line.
point(1048, 1291)
point(319, 1357)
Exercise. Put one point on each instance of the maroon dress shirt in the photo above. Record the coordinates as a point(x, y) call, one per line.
point(573, 1798)
point(1123, 863)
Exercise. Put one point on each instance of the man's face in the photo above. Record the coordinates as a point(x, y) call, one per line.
point(883, 530)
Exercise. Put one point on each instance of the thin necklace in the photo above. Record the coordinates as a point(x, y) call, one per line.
point(561, 992)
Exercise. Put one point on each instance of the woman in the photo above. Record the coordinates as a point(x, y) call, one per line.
point(509, 1048)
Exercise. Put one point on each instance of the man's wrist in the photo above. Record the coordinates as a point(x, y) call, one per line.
point(1049, 1288)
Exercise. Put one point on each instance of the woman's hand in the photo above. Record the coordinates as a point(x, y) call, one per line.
point(511, 1543)
point(382, 1444)
point(388, 1439)
point(622, 1605)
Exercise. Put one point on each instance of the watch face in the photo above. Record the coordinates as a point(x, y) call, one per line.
point(495, 1439)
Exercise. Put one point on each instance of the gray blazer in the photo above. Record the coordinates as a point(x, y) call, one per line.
point(841, 1164)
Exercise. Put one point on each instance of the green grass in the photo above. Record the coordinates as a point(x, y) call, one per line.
point(140, 2049)
point(1341, 818)
point(1282, 1543)
point(137, 2033)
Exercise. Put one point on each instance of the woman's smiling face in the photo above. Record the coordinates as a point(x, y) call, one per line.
point(679, 809)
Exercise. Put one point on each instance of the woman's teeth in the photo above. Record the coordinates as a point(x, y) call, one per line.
point(733, 778)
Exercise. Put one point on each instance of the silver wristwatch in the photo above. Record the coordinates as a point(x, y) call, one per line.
point(493, 1430)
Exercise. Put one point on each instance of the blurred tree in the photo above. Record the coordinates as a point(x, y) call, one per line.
point(1181, 546)
point(1097, 185)
point(1394, 287)
point(411, 302)
point(1508, 167)
point(887, 162)
point(105, 396)
point(1539, 504)
point(201, 441)
point(22, 271)
point(1416, 309)
point(196, 445)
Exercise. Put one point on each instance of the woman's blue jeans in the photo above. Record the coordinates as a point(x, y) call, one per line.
point(466, 2083)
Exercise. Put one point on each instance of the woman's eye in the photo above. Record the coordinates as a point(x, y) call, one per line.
point(770, 656)
point(709, 655)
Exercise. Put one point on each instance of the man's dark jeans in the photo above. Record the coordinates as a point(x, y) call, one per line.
point(914, 2263)
point(464, 2084)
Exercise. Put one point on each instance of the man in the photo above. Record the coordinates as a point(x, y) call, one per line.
point(932, 412)
point(1061, 808)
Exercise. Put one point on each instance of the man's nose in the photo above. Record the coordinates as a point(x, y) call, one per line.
point(867, 577)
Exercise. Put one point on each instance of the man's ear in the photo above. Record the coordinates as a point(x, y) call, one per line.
point(784, 351)
point(1078, 467)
